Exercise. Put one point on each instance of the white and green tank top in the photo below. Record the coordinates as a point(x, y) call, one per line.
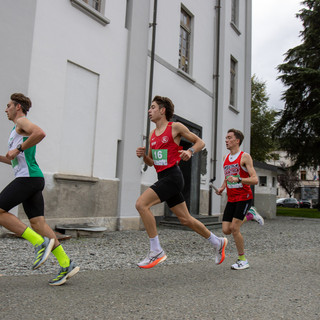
point(25, 164)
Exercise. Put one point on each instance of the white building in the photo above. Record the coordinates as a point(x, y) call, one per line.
point(86, 65)
point(309, 179)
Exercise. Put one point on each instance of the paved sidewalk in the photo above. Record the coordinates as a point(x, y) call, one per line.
point(283, 281)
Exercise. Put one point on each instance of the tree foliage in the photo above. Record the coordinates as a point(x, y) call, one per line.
point(298, 127)
point(262, 120)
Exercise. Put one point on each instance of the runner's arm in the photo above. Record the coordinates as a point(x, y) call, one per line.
point(183, 131)
point(3, 159)
point(34, 133)
point(247, 161)
point(221, 189)
point(224, 184)
point(141, 152)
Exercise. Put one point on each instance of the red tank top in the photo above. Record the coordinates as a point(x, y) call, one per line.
point(164, 150)
point(236, 191)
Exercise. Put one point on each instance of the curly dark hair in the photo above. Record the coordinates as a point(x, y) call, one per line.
point(166, 103)
point(25, 102)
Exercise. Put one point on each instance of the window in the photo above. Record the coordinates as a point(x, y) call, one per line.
point(273, 182)
point(235, 12)
point(233, 81)
point(262, 181)
point(92, 8)
point(303, 175)
point(95, 4)
point(184, 41)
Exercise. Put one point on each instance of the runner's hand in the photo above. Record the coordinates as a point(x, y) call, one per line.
point(185, 155)
point(140, 152)
point(219, 191)
point(12, 154)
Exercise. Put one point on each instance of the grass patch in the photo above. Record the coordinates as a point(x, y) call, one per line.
point(298, 212)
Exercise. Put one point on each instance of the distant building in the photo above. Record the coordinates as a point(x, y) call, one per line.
point(86, 65)
point(309, 179)
point(265, 191)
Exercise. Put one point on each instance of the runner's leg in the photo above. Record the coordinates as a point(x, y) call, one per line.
point(181, 211)
point(237, 236)
point(39, 225)
point(148, 199)
point(11, 222)
point(143, 205)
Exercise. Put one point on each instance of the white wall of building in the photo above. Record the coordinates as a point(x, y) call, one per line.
point(65, 35)
point(89, 84)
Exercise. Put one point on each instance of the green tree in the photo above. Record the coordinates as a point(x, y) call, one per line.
point(298, 127)
point(262, 120)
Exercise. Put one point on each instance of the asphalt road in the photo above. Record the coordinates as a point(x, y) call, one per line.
point(279, 285)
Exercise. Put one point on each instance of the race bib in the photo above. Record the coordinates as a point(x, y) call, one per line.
point(160, 157)
point(233, 185)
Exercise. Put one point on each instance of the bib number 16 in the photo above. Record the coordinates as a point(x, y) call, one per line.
point(160, 157)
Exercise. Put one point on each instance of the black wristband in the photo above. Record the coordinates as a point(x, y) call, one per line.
point(19, 147)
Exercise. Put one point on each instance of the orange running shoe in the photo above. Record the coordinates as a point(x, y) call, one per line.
point(152, 259)
point(220, 253)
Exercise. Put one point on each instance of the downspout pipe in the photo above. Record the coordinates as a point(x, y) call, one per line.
point(214, 133)
point(154, 26)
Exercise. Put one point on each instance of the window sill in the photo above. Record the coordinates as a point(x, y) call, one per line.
point(185, 75)
point(71, 177)
point(234, 109)
point(94, 14)
point(235, 28)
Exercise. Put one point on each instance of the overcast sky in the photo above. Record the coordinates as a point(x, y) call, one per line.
point(275, 30)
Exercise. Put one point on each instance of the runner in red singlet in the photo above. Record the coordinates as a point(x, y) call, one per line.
point(239, 175)
point(165, 154)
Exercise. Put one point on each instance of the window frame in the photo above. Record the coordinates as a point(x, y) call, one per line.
point(235, 12)
point(261, 183)
point(186, 67)
point(233, 92)
point(97, 2)
point(90, 11)
point(234, 18)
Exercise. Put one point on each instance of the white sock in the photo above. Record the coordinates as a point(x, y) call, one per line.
point(155, 244)
point(214, 240)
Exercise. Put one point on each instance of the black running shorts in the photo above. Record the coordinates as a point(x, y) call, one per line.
point(169, 186)
point(236, 210)
point(27, 191)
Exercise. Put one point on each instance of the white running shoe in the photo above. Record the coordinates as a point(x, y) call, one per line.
point(152, 260)
point(220, 251)
point(256, 216)
point(240, 265)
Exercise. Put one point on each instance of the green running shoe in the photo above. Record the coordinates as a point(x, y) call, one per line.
point(42, 252)
point(64, 274)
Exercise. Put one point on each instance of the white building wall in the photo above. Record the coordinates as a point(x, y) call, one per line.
point(235, 43)
point(64, 42)
point(15, 53)
point(64, 34)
